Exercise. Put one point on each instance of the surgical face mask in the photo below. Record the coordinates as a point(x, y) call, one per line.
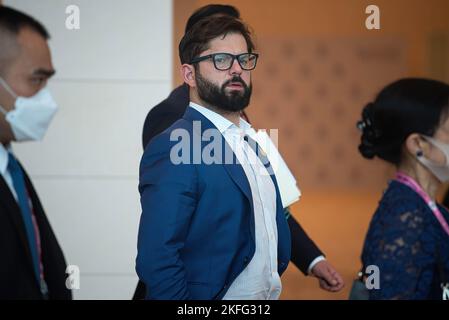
point(31, 116)
point(441, 172)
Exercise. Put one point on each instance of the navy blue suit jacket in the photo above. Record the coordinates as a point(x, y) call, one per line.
point(196, 231)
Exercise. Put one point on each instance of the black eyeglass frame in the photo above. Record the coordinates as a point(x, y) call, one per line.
point(234, 57)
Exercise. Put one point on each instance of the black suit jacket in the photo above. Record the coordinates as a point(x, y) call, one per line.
point(17, 278)
point(162, 116)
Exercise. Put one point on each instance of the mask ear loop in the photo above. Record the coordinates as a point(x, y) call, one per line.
point(8, 88)
point(442, 146)
point(2, 110)
point(10, 91)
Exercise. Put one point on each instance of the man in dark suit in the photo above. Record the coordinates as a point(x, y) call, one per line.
point(305, 254)
point(212, 224)
point(32, 263)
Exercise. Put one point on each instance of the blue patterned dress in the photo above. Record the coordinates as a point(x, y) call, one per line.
point(405, 240)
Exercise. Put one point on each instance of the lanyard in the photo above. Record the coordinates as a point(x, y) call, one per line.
point(408, 181)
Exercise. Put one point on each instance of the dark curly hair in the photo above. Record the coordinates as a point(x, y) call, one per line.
point(210, 10)
point(197, 39)
point(407, 106)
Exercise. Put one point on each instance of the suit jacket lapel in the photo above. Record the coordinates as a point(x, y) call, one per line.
point(8, 201)
point(266, 162)
point(51, 253)
point(237, 174)
point(234, 169)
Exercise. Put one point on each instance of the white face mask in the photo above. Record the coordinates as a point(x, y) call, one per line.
point(31, 116)
point(441, 172)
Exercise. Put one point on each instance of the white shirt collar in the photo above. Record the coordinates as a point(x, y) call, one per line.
point(3, 158)
point(218, 120)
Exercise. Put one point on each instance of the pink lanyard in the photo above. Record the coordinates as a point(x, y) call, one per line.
point(408, 181)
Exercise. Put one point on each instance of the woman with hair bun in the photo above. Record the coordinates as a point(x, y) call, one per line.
point(408, 238)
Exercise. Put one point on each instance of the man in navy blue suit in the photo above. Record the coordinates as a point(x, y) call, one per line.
point(211, 228)
point(305, 254)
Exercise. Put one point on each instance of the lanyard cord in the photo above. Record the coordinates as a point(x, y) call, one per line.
point(408, 181)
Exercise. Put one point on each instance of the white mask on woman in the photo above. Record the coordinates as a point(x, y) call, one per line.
point(441, 172)
point(31, 116)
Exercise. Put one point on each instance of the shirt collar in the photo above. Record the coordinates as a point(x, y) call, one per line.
point(3, 158)
point(244, 125)
point(218, 120)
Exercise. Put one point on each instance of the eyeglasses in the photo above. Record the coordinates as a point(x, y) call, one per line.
point(224, 61)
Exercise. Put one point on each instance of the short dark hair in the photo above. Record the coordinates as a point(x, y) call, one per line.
point(197, 39)
point(209, 10)
point(13, 21)
point(411, 105)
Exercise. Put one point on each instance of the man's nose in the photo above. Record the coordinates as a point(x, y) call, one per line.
point(236, 68)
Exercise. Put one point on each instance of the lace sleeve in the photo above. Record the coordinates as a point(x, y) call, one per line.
point(402, 244)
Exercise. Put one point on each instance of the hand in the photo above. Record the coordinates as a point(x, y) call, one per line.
point(329, 279)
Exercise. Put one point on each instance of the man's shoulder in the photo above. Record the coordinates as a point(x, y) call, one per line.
point(168, 138)
point(162, 153)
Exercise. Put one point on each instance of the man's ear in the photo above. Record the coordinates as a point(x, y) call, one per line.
point(415, 144)
point(188, 74)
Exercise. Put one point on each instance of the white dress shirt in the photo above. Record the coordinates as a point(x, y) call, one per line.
point(260, 279)
point(4, 168)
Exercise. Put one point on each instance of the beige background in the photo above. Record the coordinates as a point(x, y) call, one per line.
point(318, 67)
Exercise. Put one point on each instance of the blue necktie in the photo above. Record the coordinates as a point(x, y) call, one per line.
point(22, 196)
point(259, 152)
point(265, 161)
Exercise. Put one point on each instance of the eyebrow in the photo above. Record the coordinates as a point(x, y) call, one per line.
point(44, 72)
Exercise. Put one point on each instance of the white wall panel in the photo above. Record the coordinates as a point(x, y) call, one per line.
point(117, 39)
point(96, 221)
point(109, 74)
point(97, 130)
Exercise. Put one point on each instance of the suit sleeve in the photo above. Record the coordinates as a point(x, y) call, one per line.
point(168, 198)
point(304, 250)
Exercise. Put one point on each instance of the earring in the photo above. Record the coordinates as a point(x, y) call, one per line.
point(419, 153)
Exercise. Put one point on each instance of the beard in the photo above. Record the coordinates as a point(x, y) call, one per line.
point(232, 101)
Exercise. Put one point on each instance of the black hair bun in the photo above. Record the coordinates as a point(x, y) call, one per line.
point(370, 134)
